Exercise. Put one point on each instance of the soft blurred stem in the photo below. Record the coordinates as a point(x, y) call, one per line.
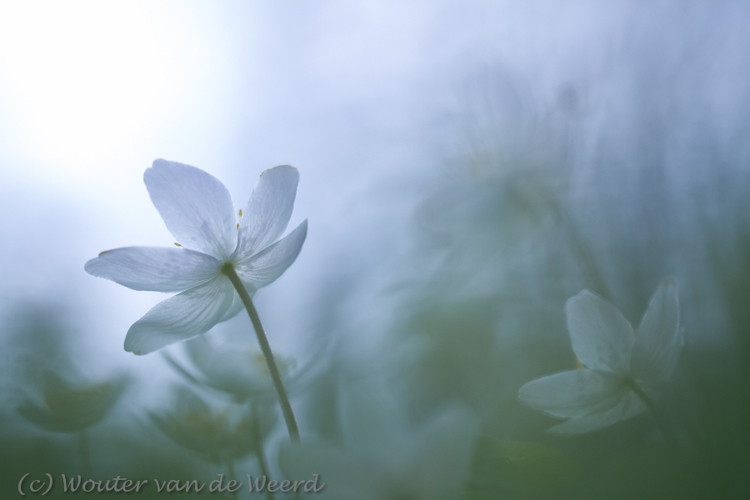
point(286, 408)
point(85, 451)
point(259, 452)
point(664, 429)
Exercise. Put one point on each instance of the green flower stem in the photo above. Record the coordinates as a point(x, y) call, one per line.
point(286, 408)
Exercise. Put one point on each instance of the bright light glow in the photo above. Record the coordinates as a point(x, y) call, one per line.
point(84, 81)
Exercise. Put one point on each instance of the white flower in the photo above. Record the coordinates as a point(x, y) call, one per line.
point(238, 369)
point(623, 370)
point(220, 434)
point(199, 213)
point(70, 406)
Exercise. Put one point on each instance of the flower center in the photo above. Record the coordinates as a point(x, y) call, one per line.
point(227, 268)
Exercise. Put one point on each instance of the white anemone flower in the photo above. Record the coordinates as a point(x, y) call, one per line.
point(68, 405)
point(219, 433)
point(198, 211)
point(623, 369)
point(238, 369)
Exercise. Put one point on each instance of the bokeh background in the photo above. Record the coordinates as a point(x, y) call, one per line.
point(466, 167)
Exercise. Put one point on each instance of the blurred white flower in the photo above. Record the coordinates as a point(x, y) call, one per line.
point(622, 369)
point(382, 456)
point(220, 434)
point(68, 406)
point(198, 211)
point(236, 369)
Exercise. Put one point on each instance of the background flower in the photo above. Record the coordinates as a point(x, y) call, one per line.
point(70, 406)
point(621, 371)
point(219, 433)
point(238, 369)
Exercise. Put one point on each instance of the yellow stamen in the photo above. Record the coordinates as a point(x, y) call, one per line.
point(579, 365)
point(238, 226)
point(240, 212)
point(177, 244)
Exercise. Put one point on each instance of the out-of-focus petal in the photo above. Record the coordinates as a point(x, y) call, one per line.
point(195, 206)
point(268, 211)
point(183, 316)
point(230, 368)
point(237, 304)
point(265, 267)
point(629, 406)
point(659, 342)
point(72, 407)
point(601, 336)
point(154, 269)
point(573, 393)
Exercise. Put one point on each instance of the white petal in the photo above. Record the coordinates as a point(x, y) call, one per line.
point(234, 369)
point(659, 342)
point(265, 267)
point(268, 211)
point(195, 206)
point(601, 336)
point(183, 316)
point(44, 418)
point(573, 393)
point(154, 269)
point(237, 304)
point(629, 406)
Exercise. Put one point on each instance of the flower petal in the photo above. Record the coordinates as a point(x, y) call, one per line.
point(573, 393)
point(237, 304)
point(659, 342)
point(183, 316)
point(154, 269)
point(195, 206)
point(44, 418)
point(239, 371)
point(268, 211)
point(601, 336)
point(629, 406)
point(265, 267)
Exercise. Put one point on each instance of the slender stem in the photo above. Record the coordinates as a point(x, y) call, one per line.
point(259, 451)
point(664, 429)
point(286, 408)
